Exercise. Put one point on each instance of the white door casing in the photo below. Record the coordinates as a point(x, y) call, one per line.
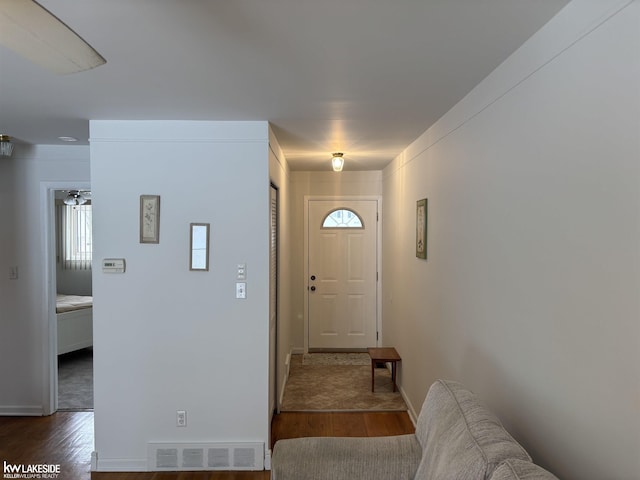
point(342, 303)
point(50, 322)
point(273, 299)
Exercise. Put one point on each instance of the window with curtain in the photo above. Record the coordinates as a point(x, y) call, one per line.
point(75, 243)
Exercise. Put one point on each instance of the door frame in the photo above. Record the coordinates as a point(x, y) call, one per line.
point(273, 342)
point(50, 323)
point(343, 198)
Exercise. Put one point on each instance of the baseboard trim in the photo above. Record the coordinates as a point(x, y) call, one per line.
point(120, 464)
point(410, 410)
point(287, 366)
point(21, 410)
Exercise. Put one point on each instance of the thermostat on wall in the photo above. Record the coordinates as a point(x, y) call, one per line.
point(113, 265)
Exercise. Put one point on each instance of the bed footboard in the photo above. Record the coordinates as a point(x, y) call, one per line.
point(75, 330)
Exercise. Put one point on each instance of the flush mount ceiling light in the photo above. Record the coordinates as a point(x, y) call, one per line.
point(32, 31)
point(337, 162)
point(6, 147)
point(75, 198)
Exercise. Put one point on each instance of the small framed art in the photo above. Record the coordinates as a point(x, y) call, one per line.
point(149, 218)
point(421, 228)
point(199, 247)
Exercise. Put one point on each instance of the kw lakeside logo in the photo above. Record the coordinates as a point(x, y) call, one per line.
point(36, 470)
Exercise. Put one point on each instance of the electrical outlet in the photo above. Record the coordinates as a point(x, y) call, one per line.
point(181, 418)
point(13, 273)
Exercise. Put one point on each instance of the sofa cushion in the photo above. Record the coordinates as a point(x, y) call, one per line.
point(514, 469)
point(333, 458)
point(461, 438)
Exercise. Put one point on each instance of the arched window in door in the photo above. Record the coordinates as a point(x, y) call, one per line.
point(342, 218)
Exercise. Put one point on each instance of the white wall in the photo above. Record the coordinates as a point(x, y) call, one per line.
point(73, 282)
point(24, 323)
point(529, 294)
point(328, 183)
point(168, 339)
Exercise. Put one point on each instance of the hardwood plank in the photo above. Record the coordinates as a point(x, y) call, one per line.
point(64, 439)
point(381, 424)
point(325, 424)
point(348, 425)
point(300, 424)
point(122, 475)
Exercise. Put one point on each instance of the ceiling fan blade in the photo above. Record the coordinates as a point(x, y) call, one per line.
point(29, 29)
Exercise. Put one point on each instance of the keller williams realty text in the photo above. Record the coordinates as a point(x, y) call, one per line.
point(41, 470)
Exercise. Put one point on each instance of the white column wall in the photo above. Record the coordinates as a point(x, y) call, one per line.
point(166, 338)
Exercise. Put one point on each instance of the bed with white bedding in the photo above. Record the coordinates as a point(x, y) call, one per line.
point(75, 322)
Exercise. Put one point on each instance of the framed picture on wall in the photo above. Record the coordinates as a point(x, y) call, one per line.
point(149, 218)
point(421, 228)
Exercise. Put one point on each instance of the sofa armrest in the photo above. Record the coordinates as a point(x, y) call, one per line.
point(516, 469)
point(338, 458)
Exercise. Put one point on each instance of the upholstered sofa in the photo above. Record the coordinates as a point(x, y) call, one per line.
point(457, 438)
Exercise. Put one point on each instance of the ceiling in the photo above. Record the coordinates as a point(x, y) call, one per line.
point(363, 77)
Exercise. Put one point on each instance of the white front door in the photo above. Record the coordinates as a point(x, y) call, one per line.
point(342, 290)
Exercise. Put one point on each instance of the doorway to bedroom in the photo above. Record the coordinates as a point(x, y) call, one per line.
point(74, 300)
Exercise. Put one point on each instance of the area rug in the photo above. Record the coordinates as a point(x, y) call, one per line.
point(338, 388)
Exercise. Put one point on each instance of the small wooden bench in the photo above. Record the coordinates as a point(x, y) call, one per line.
point(383, 355)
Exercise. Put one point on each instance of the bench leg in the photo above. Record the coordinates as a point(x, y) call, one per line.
point(373, 372)
point(393, 374)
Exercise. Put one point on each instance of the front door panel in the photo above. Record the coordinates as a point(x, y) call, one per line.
point(342, 277)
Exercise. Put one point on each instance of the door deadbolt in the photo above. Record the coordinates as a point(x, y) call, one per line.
point(313, 277)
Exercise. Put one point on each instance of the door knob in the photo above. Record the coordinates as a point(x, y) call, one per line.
point(313, 277)
point(313, 288)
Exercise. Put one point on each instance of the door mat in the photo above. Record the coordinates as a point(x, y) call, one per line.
point(336, 359)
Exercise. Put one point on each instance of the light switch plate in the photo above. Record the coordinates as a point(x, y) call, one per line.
point(242, 271)
point(241, 290)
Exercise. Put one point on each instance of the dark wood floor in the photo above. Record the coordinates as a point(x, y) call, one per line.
point(66, 438)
